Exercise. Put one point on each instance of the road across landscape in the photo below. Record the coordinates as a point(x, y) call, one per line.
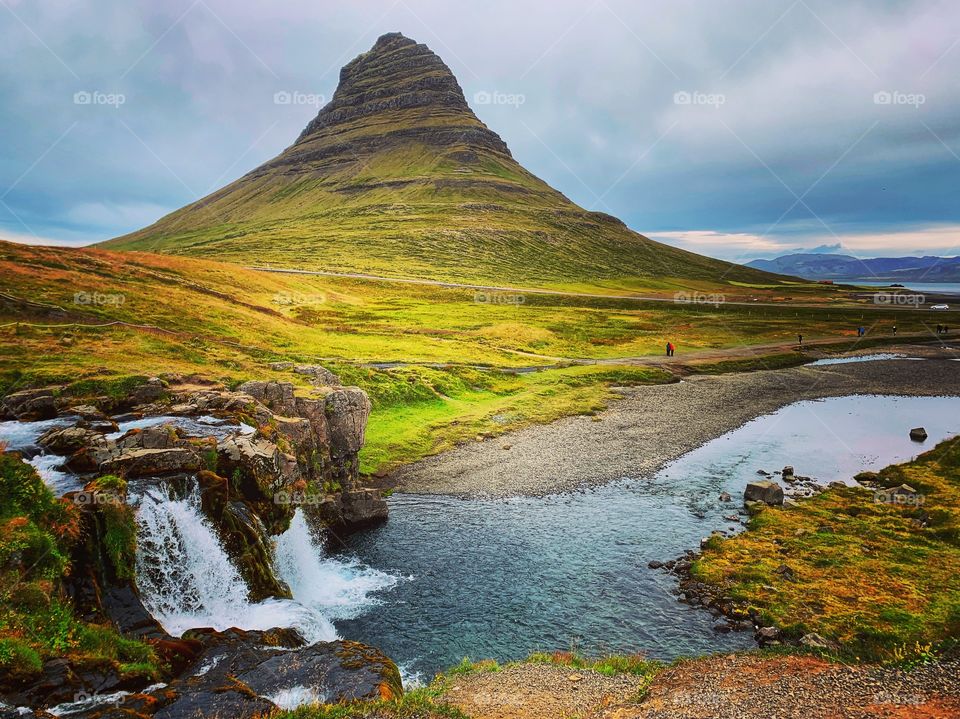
point(564, 293)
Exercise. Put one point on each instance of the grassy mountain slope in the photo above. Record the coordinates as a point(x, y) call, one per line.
point(396, 176)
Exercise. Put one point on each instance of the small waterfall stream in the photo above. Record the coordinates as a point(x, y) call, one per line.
point(342, 587)
point(187, 580)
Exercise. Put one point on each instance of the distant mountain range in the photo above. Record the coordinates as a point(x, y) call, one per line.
point(844, 267)
point(396, 176)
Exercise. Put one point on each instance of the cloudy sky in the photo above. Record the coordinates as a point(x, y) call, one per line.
point(736, 128)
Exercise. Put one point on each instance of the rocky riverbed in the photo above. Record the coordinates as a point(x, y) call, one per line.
point(651, 426)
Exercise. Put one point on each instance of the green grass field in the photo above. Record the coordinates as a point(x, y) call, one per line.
point(434, 359)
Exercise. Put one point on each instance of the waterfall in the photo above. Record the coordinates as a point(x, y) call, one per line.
point(340, 588)
point(187, 580)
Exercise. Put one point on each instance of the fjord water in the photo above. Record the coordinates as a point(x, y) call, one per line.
point(941, 288)
point(501, 578)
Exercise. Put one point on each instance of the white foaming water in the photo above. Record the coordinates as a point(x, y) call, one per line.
point(298, 696)
point(48, 467)
point(23, 436)
point(205, 425)
point(410, 677)
point(83, 702)
point(341, 589)
point(187, 580)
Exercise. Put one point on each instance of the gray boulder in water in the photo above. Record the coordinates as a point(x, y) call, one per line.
point(764, 491)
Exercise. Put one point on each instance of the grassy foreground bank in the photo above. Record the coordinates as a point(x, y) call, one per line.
point(879, 579)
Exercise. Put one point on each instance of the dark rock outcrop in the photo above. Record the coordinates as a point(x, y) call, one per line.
point(145, 462)
point(240, 674)
point(67, 440)
point(347, 412)
point(397, 73)
point(351, 510)
point(30, 404)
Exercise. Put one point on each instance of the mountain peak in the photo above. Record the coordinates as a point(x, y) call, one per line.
point(397, 176)
point(391, 40)
point(396, 74)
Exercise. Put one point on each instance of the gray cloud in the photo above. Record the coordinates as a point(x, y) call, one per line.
point(680, 117)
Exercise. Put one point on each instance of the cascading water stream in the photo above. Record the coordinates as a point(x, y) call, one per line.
point(187, 580)
point(343, 588)
point(23, 437)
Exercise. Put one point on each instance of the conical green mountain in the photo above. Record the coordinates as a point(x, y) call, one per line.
point(397, 176)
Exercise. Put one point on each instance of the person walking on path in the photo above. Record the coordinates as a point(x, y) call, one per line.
point(670, 349)
point(799, 339)
point(894, 330)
